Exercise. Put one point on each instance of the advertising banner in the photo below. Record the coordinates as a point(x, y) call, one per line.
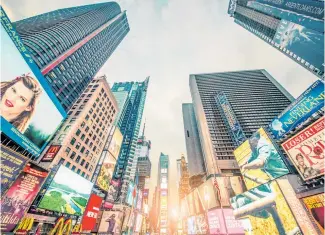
point(266, 209)
point(91, 213)
point(106, 172)
point(131, 194)
point(67, 193)
point(30, 111)
point(139, 200)
point(51, 153)
point(112, 194)
point(259, 160)
point(116, 142)
point(11, 165)
point(111, 222)
point(20, 195)
point(315, 206)
point(306, 150)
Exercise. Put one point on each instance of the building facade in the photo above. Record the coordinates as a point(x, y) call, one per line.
point(184, 184)
point(82, 136)
point(132, 96)
point(243, 107)
point(142, 161)
point(296, 28)
point(70, 45)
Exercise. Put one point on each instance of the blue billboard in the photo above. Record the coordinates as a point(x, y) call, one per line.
point(300, 110)
point(30, 111)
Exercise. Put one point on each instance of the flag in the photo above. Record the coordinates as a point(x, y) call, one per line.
point(215, 183)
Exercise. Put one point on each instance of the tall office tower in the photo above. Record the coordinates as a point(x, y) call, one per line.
point(229, 108)
point(79, 143)
point(183, 185)
point(163, 187)
point(196, 165)
point(296, 28)
point(142, 161)
point(70, 45)
point(131, 101)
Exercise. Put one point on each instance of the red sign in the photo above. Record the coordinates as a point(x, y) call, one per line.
point(90, 215)
point(51, 153)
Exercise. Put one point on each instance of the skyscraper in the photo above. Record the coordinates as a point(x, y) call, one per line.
point(163, 189)
point(132, 97)
point(70, 45)
point(143, 163)
point(229, 108)
point(296, 28)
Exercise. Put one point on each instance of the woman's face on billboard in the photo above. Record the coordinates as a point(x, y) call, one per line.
point(15, 101)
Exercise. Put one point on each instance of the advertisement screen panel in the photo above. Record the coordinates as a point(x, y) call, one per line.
point(91, 213)
point(130, 197)
point(300, 110)
point(106, 172)
point(266, 209)
point(112, 193)
point(111, 222)
point(11, 164)
point(67, 193)
point(51, 153)
point(115, 144)
point(306, 150)
point(20, 196)
point(259, 160)
point(315, 206)
point(30, 111)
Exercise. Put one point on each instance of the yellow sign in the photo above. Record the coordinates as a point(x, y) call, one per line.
point(61, 227)
point(25, 224)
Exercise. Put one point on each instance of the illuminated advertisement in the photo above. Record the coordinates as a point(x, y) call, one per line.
point(138, 223)
point(131, 194)
point(20, 195)
point(11, 165)
point(306, 150)
point(266, 209)
point(111, 222)
point(300, 110)
point(67, 193)
point(111, 194)
point(315, 206)
point(91, 213)
point(30, 111)
point(106, 172)
point(51, 153)
point(259, 160)
point(139, 201)
point(115, 144)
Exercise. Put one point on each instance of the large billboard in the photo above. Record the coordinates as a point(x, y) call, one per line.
point(30, 111)
point(91, 213)
point(106, 172)
point(51, 153)
point(112, 194)
point(67, 193)
point(300, 110)
point(131, 194)
point(266, 209)
point(306, 150)
point(20, 195)
point(111, 222)
point(315, 206)
point(115, 143)
point(259, 160)
point(11, 164)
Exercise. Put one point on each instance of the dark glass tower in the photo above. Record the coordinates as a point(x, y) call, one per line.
point(70, 45)
point(253, 99)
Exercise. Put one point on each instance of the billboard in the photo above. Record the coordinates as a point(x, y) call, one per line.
point(139, 200)
point(51, 153)
point(106, 172)
point(306, 150)
point(116, 142)
point(30, 111)
point(130, 197)
point(111, 222)
point(315, 206)
point(112, 194)
point(259, 160)
point(20, 195)
point(11, 165)
point(197, 225)
point(266, 209)
point(67, 193)
point(91, 213)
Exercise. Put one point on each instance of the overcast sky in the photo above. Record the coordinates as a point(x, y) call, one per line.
point(168, 40)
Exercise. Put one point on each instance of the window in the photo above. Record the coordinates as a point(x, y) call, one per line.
point(82, 162)
point(87, 152)
point(82, 137)
point(67, 128)
point(94, 138)
point(83, 124)
point(83, 174)
point(87, 140)
point(73, 140)
point(78, 159)
point(188, 133)
point(73, 168)
point(91, 111)
point(78, 112)
point(94, 149)
point(87, 165)
point(87, 117)
point(67, 150)
point(78, 171)
point(72, 120)
point(91, 133)
point(78, 132)
point(91, 168)
point(82, 149)
point(61, 137)
point(67, 164)
point(91, 144)
point(87, 129)
point(73, 154)
point(61, 161)
point(78, 145)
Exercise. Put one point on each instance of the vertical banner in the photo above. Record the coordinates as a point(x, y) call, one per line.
point(51, 153)
point(91, 213)
point(315, 206)
point(21, 195)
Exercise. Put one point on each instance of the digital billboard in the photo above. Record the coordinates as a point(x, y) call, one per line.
point(131, 194)
point(51, 153)
point(106, 172)
point(91, 213)
point(266, 209)
point(20, 195)
point(30, 111)
point(115, 143)
point(11, 165)
point(111, 222)
point(299, 111)
point(306, 150)
point(112, 193)
point(67, 193)
point(315, 206)
point(259, 160)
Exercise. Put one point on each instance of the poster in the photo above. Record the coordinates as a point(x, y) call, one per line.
point(30, 111)
point(115, 144)
point(111, 222)
point(131, 197)
point(11, 165)
point(112, 194)
point(306, 150)
point(51, 153)
point(266, 209)
point(315, 206)
point(20, 195)
point(91, 213)
point(259, 160)
point(106, 172)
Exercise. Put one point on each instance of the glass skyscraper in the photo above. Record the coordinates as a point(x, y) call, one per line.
point(296, 28)
point(163, 190)
point(71, 45)
point(253, 98)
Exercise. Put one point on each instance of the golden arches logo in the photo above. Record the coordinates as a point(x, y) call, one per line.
point(25, 224)
point(61, 227)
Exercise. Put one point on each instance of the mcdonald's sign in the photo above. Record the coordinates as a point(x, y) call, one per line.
point(24, 226)
point(62, 227)
point(51, 153)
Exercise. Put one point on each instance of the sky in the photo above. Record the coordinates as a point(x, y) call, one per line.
point(168, 41)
